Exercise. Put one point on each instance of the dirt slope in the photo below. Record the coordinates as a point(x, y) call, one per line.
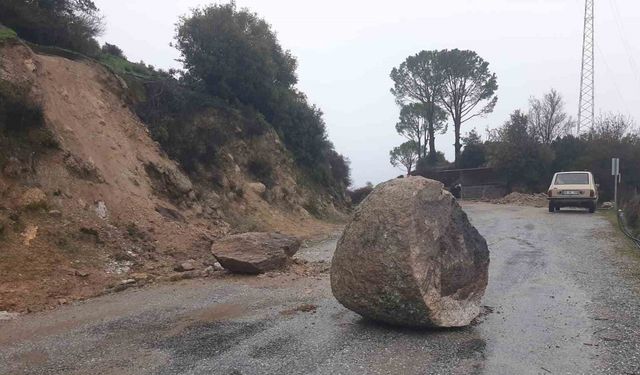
point(116, 207)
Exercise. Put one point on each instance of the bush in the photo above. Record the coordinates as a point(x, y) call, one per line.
point(261, 168)
point(21, 124)
point(113, 50)
point(632, 214)
point(17, 110)
point(340, 170)
point(70, 24)
point(234, 55)
point(6, 33)
point(358, 195)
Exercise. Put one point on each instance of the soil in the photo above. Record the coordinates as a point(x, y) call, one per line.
point(522, 199)
point(118, 212)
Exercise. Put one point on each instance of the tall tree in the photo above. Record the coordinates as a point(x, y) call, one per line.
point(414, 127)
point(517, 156)
point(405, 156)
point(474, 154)
point(547, 117)
point(417, 81)
point(612, 126)
point(234, 54)
point(468, 88)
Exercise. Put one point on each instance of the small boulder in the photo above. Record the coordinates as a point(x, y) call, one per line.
point(55, 213)
point(33, 198)
point(411, 257)
point(101, 210)
point(185, 266)
point(254, 253)
point(81, 273)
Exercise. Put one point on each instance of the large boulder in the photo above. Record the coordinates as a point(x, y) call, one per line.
point(254, 253)
point(410, 257)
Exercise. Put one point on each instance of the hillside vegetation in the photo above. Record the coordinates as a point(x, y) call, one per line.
point(113, 172)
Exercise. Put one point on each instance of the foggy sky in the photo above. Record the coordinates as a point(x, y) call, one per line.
point(346, 50)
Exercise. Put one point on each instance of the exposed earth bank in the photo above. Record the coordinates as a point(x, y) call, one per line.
point(90, 203)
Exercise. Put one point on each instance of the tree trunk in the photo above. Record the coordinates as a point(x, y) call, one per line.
point(457, 122)
point(432, 145)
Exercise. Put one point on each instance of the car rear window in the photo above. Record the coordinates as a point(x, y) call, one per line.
point(572, 179)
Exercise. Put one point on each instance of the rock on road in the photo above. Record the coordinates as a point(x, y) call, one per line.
point(563, 298)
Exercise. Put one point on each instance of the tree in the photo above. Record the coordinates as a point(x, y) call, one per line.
point(233, 54)
point(474, 153)
point(405, 155)
point(547, 117)
point(612, 126)
point(517, 156)
point(417, 81)
point(112, 49)
point(466, 84)
point(71, 24)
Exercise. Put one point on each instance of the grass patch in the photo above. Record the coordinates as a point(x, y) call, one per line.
point(125, 67)
point(7, 34)
point(628, 248)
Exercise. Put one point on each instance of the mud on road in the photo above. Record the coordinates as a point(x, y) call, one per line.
point(563, 298)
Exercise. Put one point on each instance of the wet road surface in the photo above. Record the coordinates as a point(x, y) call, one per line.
point(563, 298)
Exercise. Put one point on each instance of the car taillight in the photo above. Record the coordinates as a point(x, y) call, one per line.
point(593, 193)
point(549, 193)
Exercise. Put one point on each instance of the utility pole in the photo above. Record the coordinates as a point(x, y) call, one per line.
point(615, 172)
point(586, 111)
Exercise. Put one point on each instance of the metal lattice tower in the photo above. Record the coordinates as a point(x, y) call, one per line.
point(586, 112)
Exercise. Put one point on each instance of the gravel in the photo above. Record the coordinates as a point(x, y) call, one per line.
point(563, 298)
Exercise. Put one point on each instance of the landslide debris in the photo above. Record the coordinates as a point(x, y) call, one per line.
point(89, 201)
point(254, 253)
point(410, 257)
point(522, 199)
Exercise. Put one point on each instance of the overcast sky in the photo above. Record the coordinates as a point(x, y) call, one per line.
point(346, 50)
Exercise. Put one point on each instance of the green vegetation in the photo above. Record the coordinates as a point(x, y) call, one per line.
point(17, 111)
point(474, 153)
point(6, 33)
point(434, 85)
point(122, 66)
point(238, 82)
point(232, 56)
point(70, 24)
point(405, 156)
point(358, 195)
point(530, 147)
point(21, 121)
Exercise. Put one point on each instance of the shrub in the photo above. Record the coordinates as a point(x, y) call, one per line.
point(113, 50)
point(6, 33)
point(632, 214)
point(358, 195)
point(340, 170)
point(70, 24)
point(261, 168)
point(17, 110)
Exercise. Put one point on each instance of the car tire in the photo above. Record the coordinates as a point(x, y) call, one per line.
point(552, 207)
point(592, 208)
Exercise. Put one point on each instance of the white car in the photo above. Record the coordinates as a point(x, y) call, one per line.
point(573, 189)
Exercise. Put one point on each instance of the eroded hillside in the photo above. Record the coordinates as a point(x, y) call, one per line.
point(88, 199)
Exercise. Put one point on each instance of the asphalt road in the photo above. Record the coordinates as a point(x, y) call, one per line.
point(563, 298)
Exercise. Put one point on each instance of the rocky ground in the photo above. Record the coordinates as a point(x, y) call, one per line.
point(563, 298)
